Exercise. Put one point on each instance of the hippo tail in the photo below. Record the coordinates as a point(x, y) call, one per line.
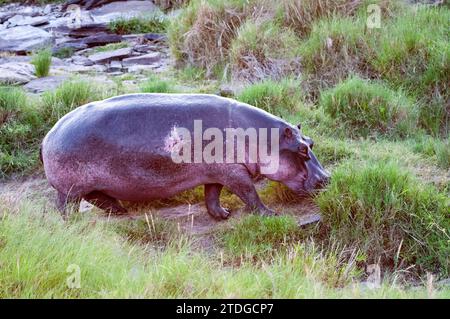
point(40, 154)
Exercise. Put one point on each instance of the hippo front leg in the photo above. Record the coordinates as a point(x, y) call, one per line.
point(212, 199)
point(240, 183)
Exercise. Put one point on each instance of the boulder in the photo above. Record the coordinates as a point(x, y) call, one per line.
point(48, 83)
point(24, 39)
point(16, 73)
point(146, 59)
point(105, 57)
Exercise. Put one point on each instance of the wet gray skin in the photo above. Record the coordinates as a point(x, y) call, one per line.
point(116, 149)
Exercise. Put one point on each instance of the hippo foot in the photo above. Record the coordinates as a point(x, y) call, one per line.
point(219, 213)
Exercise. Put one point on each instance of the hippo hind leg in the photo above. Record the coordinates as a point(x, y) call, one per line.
point(212, 199)
point(105, 202)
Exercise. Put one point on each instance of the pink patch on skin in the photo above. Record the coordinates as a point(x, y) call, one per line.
point(173, 141)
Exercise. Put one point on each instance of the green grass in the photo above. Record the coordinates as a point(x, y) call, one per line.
point(276, 97)
point(257, 236)
point(111, 47)
point(157, 85)
point(263, 50)
point(42, 61)
point(365, 108)
point(67, 97)
point(155, 23)
point(387, 215)
point(34, 265)
point(19, 128)
point(64, 53)
point(433, 147)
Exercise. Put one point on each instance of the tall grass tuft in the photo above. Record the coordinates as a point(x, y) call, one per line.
point(42, 61)
point(363, 107)
point(155, 23)
point(66, 97)
point(389, 216)
point(276, 97)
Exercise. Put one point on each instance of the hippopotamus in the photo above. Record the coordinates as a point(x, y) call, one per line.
point(128, 148)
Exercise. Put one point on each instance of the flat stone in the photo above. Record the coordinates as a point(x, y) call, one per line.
point(97, 40)
point(154, 37)
point(48, 83)
point(81, 60)
point(145, 59)
point(139, 68)
point(19, 20)
point(24, 39)
point(122, 9)
point(16, 73)
point(105, 57)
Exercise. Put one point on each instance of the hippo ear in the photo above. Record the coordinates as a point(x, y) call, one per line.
point(288, 133)
point(299, 126)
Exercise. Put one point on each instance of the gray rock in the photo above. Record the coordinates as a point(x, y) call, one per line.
point(105, 57)
point(145, 59)
point(138, 68)
point(125, 9)
point(48, 83)
point(24, 39)
point(115, 66)
point(144, 48)
point(81, 60)
point(47, 9)
point(16, 73)
point(97, 40)
point(4, 16)
point(19, 20)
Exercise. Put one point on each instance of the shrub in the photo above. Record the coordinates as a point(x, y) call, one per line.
point(155, 23)
point(42, 61)
point(364, 108)
point(388, 215)
point(156, 85)
point(271, 96)
point(263, 50)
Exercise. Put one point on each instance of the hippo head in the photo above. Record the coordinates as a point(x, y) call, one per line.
point(299, 168)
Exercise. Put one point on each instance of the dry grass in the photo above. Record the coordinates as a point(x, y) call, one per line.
point(299, 15)
point(209, 39)
point(264, 50)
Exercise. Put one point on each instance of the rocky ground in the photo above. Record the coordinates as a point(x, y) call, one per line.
point(24, 29)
